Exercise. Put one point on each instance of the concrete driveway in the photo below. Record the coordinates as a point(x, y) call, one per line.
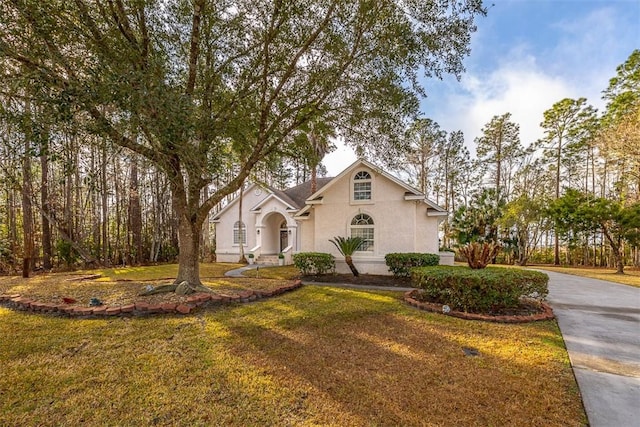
point(600, 323)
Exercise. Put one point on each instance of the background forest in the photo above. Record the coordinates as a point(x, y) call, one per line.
point(70, 197)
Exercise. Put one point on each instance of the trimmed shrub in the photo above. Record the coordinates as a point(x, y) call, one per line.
point(314, 263)
point(400, 264)
point(479, 291)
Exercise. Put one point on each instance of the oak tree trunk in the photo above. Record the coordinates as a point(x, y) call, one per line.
point(189, 249)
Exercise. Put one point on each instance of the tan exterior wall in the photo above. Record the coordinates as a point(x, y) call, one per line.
point(399, 225)
point(306, 228)
point(226, 251)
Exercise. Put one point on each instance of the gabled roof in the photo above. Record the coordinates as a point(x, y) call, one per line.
point(278, 195)
point(301, 192)
point(298, 198)
point(293, 198)
point(410, 192)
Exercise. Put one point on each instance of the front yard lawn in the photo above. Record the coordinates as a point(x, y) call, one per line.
point(316, 356)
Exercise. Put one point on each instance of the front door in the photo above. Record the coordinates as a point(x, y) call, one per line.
point(284, 236)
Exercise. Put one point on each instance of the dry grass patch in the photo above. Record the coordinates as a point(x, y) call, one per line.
point(161, 272)
point(120, 286)
point(319, 356)
point(631, 276)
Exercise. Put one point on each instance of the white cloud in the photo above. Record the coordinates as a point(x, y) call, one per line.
point(526, 81)
point(573, 57)
point(517, 87)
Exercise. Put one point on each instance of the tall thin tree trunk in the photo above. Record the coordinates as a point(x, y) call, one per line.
point(117, 255)
point(499, 164)
point(68, 197)
point(27, 211)
point(314, 179)
point(44, 201)
point(104, 206)
point(205, 243)
point(242, 231)
point(13, 227)
point(556, 240)
point(78, 218)
point(135, 215)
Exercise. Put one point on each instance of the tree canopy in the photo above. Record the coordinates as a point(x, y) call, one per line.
point(198, 86)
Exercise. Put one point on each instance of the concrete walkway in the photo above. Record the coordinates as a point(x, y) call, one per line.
point(238, 271)
point(600, 323)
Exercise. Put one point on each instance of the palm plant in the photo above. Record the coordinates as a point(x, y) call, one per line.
point(347, 246)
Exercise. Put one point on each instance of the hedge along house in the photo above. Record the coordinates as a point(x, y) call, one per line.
point(363, 201)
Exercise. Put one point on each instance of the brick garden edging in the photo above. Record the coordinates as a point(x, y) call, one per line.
point(547, 313)
point(201, 299)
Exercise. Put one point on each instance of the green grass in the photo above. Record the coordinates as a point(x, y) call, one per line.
point(317, 356)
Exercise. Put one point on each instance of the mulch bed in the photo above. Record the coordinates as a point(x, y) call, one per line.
point(527, 311)
point(363, 279)
point(184, 305)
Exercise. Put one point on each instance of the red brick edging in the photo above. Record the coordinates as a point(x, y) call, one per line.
point(18, 302)
point(547, 313)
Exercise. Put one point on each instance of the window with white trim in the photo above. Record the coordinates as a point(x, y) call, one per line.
point(362, 186)
point(239, 233)
point(362, 226)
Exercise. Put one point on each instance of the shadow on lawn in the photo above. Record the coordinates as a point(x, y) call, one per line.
point(379, 363)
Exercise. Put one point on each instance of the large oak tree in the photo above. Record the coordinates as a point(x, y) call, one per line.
point(197, 86)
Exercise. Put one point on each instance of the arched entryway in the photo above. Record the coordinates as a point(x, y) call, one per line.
point(276, 235)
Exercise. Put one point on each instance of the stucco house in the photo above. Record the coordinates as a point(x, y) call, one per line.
point(363, 201)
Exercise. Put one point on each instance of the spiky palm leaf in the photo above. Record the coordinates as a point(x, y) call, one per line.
point(347, 246)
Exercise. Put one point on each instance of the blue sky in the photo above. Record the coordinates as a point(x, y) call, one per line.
point(525, 56)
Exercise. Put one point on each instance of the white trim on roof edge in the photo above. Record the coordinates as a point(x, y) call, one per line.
point(273, 196)
point(417, 195)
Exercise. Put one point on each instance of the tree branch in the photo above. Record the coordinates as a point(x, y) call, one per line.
point(194, 46)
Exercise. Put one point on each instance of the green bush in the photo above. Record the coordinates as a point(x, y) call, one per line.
point(314, 263)
point(479, 291)
point(6, 257)
point(400, 264)
point(66, 252)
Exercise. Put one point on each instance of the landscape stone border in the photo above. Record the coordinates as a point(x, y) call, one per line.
point(546, 314)
point(192, 302)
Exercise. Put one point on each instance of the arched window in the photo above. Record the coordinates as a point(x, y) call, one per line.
point(362, 226)
point(239, 233)
point(362, 186)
